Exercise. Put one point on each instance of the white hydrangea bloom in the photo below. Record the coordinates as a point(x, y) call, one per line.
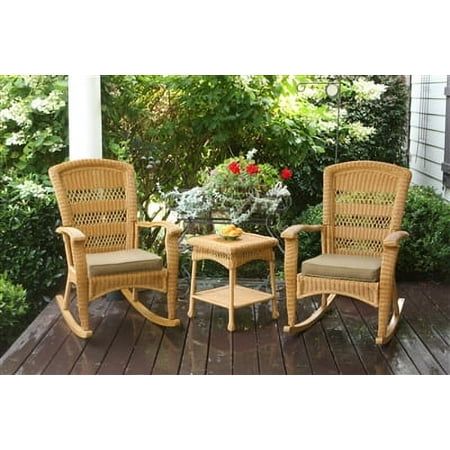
point(359, 131)
point(53, 102)
point(17, 112)
point(368, 90)
point(17, 138)
point(31, 189)
point(288, 104)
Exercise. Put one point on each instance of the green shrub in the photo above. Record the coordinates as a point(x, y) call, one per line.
point(310, 242)
point(33, 122)
point(196, 122)
point(388, 118)
point(425, 254)
point(13, 309)
point(31, 253)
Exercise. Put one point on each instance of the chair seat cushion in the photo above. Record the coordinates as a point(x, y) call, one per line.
point(344, 267)
point(122, 261)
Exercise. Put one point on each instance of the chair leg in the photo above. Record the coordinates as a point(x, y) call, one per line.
point(172, 297)
point(313, 318)
point(290, 276)
point(386, 330)
point(81, 329)
point(149, 315)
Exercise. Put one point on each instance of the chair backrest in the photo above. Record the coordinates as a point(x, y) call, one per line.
point(363, 201)
point(97, 196)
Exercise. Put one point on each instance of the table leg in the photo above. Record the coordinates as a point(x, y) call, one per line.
point(273, 285)
point(193, 279)
point(231, 325)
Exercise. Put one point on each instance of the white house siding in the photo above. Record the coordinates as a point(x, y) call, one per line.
point(427, 132)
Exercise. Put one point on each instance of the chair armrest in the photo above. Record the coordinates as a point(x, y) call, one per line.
point(393, 239)
point(172, 229)
point(74, 234)
point(292, 231)
point(74, 242)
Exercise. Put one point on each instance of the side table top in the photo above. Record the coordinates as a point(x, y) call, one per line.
point(246, 242)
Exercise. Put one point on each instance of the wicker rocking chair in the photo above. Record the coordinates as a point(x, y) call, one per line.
point(98, 206)
point(363, 206)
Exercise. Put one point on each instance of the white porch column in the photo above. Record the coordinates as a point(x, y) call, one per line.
point(85, 117)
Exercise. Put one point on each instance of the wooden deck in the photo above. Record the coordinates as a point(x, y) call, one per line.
point(342, 343)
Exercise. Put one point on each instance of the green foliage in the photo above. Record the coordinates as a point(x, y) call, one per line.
point(373, 127)
point(13, 309)
point(310, 242)
point(195, 122)
point(33, 123)
point(425, 254)
point(31, 253)
point(238, 188)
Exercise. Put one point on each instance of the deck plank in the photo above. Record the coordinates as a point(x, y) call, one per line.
point(394, 353)
point(430, 337)
point(269, 347)
point(170, 352)
point(146, 348)
point(371, 357)
point(19, 351)
point(427, 310)
point(342, 342)
point(320, 354)
point(417, 351)
point(195, 353)
point(296, 358)
point(345, 355)
point(220, 355)
point(245, 350)
point(41, 356)
point(439, 294)
point(70, 351)
point(97, 348)
point(115, 361)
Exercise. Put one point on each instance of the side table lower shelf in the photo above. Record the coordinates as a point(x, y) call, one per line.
point(243, 296)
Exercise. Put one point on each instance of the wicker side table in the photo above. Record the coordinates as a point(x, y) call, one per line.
point(232, 254)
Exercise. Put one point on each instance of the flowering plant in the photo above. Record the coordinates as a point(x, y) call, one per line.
point(238, 187)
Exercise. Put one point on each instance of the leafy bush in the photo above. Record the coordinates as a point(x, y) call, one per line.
point(310, 242)
point(33, 122)
point(425, 254)
point(31, 253)
point(384, 113)
point(13, 309)
point(196, 122)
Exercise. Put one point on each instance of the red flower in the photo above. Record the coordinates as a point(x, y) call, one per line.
point(252, 169)
point(234, 167)
point(286, 173)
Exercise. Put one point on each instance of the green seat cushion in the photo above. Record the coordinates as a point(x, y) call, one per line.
point(344, 267)
point(122, 261)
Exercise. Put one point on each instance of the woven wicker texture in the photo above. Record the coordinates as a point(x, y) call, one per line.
point(98, 206)
point(232, 254)
point(363, 206)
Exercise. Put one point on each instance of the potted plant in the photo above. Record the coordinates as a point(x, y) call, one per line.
point(238, 189)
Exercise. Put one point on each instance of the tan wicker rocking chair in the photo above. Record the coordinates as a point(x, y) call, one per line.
point(363, 206)
point(98, 206)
